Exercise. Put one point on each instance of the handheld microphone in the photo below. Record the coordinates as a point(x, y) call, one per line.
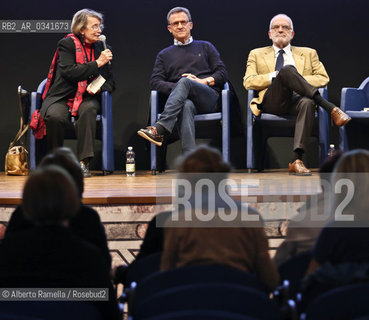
point(102, 38)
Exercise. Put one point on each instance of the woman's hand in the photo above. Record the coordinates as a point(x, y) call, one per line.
point(104, 58)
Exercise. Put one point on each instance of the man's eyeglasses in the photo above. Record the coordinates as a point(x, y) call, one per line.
point(284, 27)
point(184, 23)
point(96, 27)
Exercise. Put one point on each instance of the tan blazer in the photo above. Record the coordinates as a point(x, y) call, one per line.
point(261, 63)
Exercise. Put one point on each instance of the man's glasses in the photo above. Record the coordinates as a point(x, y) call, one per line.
point(284, 27)
point(183, 23)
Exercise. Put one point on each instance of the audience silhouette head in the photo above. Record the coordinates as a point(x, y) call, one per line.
point(354, 161)
point(50, 196)
point(202, 159)
point(65, 158)
point(203, 162)
point(351, 174)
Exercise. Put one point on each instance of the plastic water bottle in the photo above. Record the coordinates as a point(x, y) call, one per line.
point(331, 150)
point(130, 162)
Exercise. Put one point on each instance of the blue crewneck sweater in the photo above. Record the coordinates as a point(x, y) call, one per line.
point(199, 58)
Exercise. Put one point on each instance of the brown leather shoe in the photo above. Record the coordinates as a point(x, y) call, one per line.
point(298, 168)
point(339, 117)
point(151, 134)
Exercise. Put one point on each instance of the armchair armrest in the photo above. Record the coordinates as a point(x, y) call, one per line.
point(36, 97)
point(323, 119)
point(36, 101)
point(249, 131)
point(154, 106)
point(226, 130)
point(107, 132)
point(353, 99)
point(154, 109)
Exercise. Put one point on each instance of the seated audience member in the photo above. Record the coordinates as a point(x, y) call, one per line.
point(152, 243)
point(227, 239)
point(341, 253)
point(48, 254)
point(304, 227)
point(86, 223)
point(153, 240)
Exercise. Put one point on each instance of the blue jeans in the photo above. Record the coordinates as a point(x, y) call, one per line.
point(187, 99)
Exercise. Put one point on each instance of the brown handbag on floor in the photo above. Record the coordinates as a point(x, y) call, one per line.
point(16, 159)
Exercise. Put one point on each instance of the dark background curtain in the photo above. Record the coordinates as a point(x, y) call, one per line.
point(137, 31)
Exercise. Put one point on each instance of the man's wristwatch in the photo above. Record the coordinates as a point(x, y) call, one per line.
point(208, 81)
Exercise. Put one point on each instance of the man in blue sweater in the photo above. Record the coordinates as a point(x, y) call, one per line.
point(192, 74)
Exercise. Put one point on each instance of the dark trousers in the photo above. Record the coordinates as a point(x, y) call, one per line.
point(291, 94)
point(58, 119)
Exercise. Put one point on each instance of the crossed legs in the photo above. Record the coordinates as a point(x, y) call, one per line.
point(289, 93)
point(187, 99)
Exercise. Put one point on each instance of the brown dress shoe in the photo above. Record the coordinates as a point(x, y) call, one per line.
point(339, 117)
point(151, 134)
point(298, 168)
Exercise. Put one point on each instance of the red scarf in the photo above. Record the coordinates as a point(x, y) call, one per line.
point(38, 124)
point(81, 57)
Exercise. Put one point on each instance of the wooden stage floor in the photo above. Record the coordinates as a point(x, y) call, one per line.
point(146, 188)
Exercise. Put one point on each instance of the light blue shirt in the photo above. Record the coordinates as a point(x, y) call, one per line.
point(179, 43)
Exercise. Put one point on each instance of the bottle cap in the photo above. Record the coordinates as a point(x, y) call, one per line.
point(130, 148)
point(331, 146)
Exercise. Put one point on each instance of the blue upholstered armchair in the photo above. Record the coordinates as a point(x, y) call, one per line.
point(353, 101)
point(207, 125)
point(269, 125)
point(106, 119)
